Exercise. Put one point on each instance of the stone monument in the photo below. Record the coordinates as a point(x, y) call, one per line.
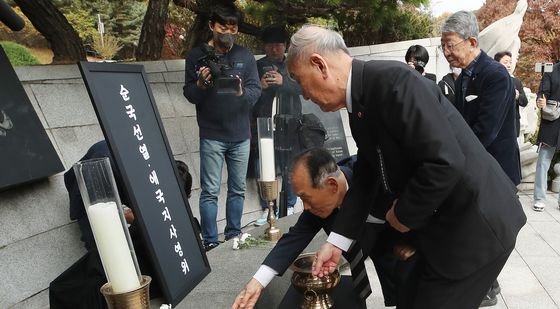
point(503, 34)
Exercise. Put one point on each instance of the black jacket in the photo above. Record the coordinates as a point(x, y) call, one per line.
point(450, 190)
point(492, 114)
point(520, 101)
point(447, 86)
point(549, 131)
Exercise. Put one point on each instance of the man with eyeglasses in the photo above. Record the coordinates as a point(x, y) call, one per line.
point(485, 96)
point(221, 80)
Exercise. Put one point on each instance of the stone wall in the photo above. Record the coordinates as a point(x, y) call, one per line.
point(38, 241)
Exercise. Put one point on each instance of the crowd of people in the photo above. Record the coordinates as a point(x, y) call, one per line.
point(434, 180)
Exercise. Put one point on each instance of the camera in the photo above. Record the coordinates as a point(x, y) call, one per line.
point(220, 68)
point(419, 66)
point(543, 67)
point(266, 70)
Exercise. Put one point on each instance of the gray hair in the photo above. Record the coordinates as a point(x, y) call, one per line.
point(314, 38)
point(319, 164)
point(463, 23)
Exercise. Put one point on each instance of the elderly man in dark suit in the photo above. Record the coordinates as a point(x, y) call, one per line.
point(322, 185)
point(444, 186)
point(485, 94)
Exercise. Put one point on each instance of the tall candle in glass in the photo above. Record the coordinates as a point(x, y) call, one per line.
point(110, 230)
point(266, 149)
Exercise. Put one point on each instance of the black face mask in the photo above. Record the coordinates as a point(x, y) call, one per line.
point(225, 39)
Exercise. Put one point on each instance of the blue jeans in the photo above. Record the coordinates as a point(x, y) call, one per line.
point(543, 163)
point(292, 198)
point(212, 155)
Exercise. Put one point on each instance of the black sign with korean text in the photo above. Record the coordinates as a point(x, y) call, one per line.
point(26, 152)
point(336, 138)
point(130, 121)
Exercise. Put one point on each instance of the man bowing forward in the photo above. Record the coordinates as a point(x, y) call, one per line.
point(458, 204)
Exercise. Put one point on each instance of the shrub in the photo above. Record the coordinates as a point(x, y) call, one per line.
point(18, 54)
point(108, 48)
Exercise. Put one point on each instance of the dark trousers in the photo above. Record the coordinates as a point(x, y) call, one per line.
point(435, 292)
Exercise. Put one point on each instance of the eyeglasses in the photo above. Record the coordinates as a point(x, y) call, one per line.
point(450, 47)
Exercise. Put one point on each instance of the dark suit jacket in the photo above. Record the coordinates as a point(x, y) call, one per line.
point(492, 115)
point(451, 192)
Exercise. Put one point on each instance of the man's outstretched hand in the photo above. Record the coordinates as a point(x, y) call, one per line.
point(248, 297)
point(326, 260)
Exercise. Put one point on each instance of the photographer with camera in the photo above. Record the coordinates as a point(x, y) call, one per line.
point(276, 82)
point(221, 79)
point(417, 57)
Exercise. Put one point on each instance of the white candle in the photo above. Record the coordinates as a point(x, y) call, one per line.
point(268, 172)
point(113, 247)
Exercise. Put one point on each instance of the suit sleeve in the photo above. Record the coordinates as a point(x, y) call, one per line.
point(494, 100)
point(291, 244)
point(357, 201)
point(414, 115)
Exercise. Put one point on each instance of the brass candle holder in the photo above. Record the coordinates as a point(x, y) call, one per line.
point(136, 299)
point(268, 191)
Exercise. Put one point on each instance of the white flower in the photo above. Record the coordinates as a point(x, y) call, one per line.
point(244, 236)
point(165, 306)
point(236, 243)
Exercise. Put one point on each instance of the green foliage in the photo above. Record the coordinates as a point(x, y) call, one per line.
point(123, 18)
point(84, 23)
point(251, 242)
point(384, 23)
point(18, 54)
point(126, 20)
point(361, 22)
point(410, 24)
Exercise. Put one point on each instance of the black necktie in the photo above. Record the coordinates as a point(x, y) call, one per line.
point(356, 259)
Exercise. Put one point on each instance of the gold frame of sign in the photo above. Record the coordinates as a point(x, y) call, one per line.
point(315, 290)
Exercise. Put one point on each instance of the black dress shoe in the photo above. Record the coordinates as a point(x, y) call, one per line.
point(210, 245)
point(490, 299)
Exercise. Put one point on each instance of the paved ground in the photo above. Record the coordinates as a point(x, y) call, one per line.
point(529, 280)
point(531, 277)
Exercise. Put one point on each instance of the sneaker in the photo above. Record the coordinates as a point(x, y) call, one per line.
point(210, 245)
point(489, 299)
point(263, 219)
point(539, 206)
point(290, 211)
